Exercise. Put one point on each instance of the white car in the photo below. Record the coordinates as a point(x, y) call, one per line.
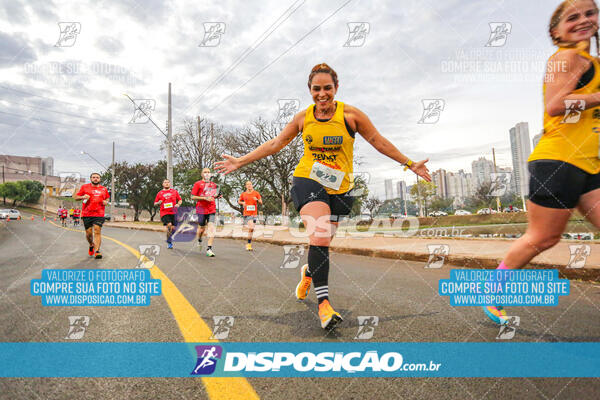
point(9, 213)
point(487, 211)
point(462, 212)
point(438, 214)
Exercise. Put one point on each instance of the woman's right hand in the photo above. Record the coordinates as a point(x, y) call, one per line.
point(229, 164)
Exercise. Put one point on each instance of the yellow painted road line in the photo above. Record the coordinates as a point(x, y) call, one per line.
point(194, 329)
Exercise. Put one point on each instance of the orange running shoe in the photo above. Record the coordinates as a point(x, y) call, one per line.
point(303, 288)
point(329, 317)
point(91, 251)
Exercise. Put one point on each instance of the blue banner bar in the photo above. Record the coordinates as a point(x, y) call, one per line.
point(302, 359)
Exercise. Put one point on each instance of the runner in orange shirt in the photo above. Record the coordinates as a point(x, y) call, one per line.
point(249, 200)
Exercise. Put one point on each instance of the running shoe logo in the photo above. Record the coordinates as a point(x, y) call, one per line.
point(579, 254)
point(366, 327)
point(508, 329)
point(432, 109)
point(68, 34)
point(287, 109)
point(148, 254)
point(77, 326)
point(499, 32)
point(573, 109)
point(499, 183)
point(68, 183)
point(223, 325)
point(357, 34)
point(142, 110)
point(292, 254)
point(437, 255)
point(212, 34)
point(207, 359)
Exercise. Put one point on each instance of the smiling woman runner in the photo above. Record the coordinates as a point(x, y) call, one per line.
point(564, 167)
point(324, 175)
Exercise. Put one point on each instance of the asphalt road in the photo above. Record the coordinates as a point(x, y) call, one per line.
point(259, 294)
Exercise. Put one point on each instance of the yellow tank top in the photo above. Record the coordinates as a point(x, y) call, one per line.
point(573, 138)
point(328, 152)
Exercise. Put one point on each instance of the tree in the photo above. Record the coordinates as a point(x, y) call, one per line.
point(481, 198)
point(30, 191)
point(131, 181)
point(271, 174)
point(22, 191)
point(423, 192)
point(511, 199)
point(197, 144)
point(372, 205)
point(441, 204)
point(10, 190)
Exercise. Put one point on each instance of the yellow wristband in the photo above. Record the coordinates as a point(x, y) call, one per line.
point(408, 164)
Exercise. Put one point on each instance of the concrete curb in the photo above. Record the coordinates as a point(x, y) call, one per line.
point(584, 274)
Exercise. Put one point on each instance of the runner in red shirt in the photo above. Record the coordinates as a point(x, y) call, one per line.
point(76, 216)
point(249, 200)
point(63, 213)
point(95, 197)
point(169, 201)
point(205, 192)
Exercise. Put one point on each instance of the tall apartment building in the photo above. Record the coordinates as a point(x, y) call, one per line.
point(520, 149)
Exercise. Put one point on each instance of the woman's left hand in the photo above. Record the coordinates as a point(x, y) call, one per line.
point(421, 169)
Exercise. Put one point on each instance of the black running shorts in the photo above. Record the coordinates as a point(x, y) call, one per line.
point(203, 219)
point(168, 219)
point(89, 221)
point(557, 184)
point(305, 190)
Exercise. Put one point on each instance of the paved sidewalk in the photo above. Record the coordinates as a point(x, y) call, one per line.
point(464, 252)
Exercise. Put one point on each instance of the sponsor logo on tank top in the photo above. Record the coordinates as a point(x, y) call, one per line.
point(324, 149)
point(328, 140)
point(324, 157)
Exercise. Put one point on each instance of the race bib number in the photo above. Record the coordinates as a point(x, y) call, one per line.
point(250, 208)
point(168, 205)
point(326, 176)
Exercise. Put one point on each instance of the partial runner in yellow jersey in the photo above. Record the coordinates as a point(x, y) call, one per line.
point(328, 151)
point(564, 169)
point(572, 137)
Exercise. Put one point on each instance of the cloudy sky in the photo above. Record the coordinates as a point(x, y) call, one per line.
point(59, 96)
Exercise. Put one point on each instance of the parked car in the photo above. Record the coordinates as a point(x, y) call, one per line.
point(513, 209)
point(462, 212)
point(578, 236)
point(486, 211)
point(438, 214)
point(9, 213)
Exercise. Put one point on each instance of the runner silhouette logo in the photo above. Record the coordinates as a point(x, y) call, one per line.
point(207, 359)
point(223, 324)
